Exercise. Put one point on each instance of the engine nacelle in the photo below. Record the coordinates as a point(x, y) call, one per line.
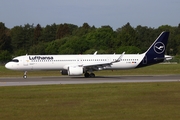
point(64, 72)
point(75, 70)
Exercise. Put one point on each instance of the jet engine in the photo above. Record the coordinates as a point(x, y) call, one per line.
point(75, 70)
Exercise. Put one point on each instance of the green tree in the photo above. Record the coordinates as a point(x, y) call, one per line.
point(37, 34)
point(28, 34)
point(128, 50)
point(17, 37)
point(38, 49)
point(2, 30)
point(5, 56)
point(74, 45)
point(72, 28)
point(102, 39)
point(22, 37)
point(90, 51)
point(71, 39)
point(127, 36)
point(5, 40)
point(175, 42)
point(52, 48)
point(145, 36)
point(62, 31)
point(83, 30)
point(49, 33)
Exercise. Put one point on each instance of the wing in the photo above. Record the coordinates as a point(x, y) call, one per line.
point(101, 65)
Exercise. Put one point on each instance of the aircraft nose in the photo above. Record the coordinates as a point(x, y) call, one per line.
point(8, 66)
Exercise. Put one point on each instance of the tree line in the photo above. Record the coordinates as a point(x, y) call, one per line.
point(72, 39)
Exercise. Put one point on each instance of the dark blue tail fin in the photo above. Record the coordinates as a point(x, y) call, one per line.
point(157, 49)
point(156, 52)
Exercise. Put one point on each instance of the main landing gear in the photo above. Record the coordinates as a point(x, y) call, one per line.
point(25, 76)
point(87, 75)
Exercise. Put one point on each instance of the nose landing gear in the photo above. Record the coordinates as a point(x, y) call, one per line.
point(25, 76)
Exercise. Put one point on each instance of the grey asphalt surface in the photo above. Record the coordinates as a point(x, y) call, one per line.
point(18, 81)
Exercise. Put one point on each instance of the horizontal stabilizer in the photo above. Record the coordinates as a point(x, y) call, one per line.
point(160, 58)
point(167, 57)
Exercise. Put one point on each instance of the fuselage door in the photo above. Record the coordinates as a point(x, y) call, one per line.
point(25, 61)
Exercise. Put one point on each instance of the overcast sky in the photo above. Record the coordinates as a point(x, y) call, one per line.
point(116, 13)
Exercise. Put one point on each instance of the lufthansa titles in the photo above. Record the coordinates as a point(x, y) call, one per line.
point(40, 58)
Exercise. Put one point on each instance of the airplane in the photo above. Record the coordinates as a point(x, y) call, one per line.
point(77, 65)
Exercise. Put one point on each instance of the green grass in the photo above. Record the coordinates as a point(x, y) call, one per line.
point(159, 69)
point(127, 101)
point(118, 101)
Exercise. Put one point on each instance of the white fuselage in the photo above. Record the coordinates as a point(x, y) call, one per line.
point(61, 62)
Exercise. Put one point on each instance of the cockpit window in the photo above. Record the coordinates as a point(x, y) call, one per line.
point(15, 60)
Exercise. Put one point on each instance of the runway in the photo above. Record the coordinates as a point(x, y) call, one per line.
point(17, 81)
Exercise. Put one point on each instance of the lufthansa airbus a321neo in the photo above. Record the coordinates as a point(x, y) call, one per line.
point(75, 65)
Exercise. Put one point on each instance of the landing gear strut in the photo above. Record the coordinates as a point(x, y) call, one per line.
point(25, 76)
point(86, 75)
